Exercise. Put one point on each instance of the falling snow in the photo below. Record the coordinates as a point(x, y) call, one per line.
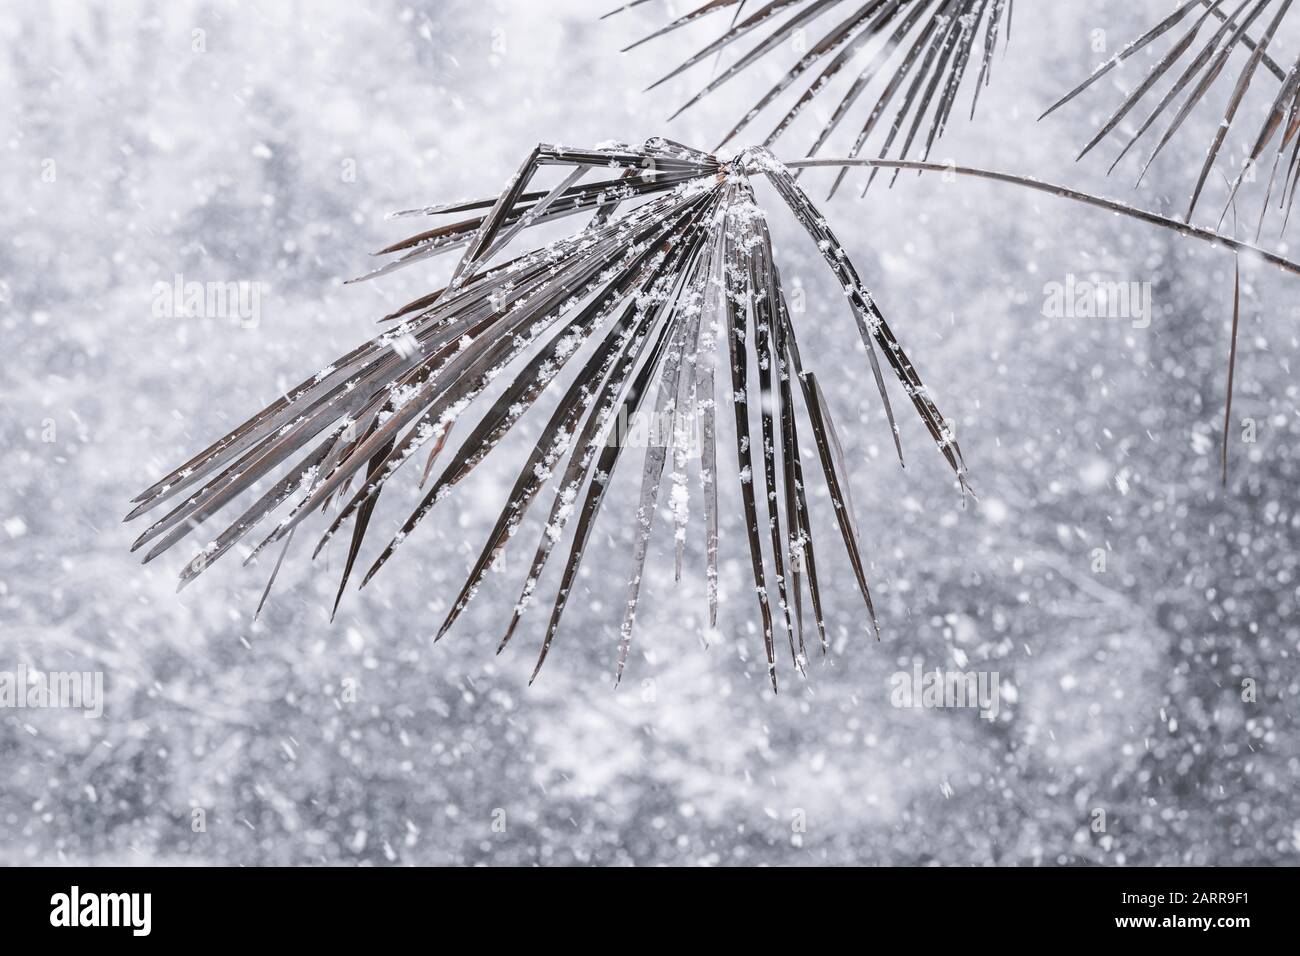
point(1141, 618)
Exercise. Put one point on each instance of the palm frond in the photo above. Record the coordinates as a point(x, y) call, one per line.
point(672, 274)
point(675, 266)
point(1206, 34)
point(920, 49)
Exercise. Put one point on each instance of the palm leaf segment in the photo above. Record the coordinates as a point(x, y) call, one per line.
point(1207, 33)
point(670, 285)
point(919, 50)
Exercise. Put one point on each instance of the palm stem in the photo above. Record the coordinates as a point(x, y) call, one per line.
point(1064, 192)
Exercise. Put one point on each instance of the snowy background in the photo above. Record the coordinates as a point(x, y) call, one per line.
point(137, 150)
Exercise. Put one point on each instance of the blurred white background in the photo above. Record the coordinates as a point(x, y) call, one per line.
point(265, 143)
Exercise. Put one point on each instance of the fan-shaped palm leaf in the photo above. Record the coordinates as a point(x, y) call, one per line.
point(672, 275)
point(1207, 33)
point(678, 254)
point(918, 50)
